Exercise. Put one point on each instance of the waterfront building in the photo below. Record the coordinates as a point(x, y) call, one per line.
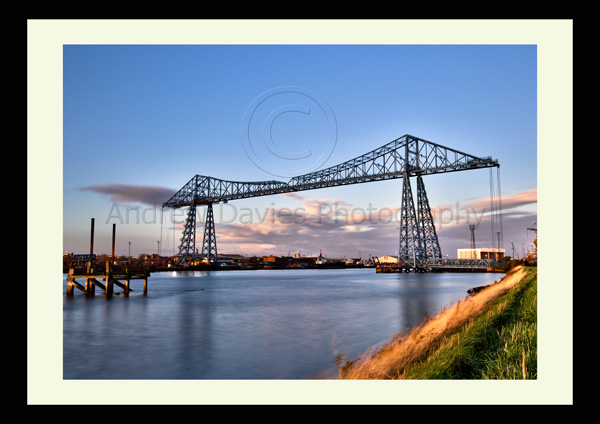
point(481, 253)
point(388, 259)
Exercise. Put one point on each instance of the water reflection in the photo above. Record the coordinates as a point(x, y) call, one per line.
point(271, 324)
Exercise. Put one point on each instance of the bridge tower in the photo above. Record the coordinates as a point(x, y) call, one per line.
point(431, 244)
point(411, 249)
point(418, 237)
point(187, 249)
point(209, 244)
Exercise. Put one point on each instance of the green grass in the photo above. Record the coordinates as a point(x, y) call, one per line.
point(501, 343)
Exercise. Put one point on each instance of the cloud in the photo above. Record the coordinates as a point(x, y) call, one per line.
point(515, 218)
point(508, 202)
point(148, 195)
point(338, 227)
point(514, 227)
point(328, 224)
point(294, 196)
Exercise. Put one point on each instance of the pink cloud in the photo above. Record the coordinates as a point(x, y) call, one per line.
point(335, 226)
point(131, 193)
point(508, 202)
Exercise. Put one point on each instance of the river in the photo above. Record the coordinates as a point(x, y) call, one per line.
point(256, 324)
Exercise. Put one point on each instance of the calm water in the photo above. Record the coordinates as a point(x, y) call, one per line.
point(267, 324)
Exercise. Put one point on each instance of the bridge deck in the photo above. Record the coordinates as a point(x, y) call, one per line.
point(405, 156)
point(439, 264)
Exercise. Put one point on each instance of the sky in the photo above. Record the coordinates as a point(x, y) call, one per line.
point(139, 121)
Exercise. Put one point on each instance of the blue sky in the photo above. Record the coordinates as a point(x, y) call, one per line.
point(140, 120)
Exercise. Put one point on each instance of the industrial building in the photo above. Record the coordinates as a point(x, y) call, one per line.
point(481, 253)
point(387, 259)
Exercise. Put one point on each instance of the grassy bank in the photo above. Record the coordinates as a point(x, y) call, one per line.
point(491, 334)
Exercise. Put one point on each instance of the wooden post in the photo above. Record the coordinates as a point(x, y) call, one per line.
point(145, 284)
point(108, 291)
point(113, 241)
point(89, 281)
point(126, 282)
point(92, 238)
point(70, 285)
point(90, 287)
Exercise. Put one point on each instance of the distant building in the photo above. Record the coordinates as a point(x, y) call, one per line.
point(162, 260)
point(226, 257)
point(481, 253)
point(387, 259)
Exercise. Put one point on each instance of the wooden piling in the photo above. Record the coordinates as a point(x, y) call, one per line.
point(108, 281)
point(90, 287)
point(92, 238)
point(126, 287)
point(114, 232)
point(70, 280)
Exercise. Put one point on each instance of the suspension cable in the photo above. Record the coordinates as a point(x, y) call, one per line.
point(499, 210)
point(161, 231)
point(492, 208)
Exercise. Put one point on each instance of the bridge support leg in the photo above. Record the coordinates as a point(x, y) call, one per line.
point(410, 249)
point(418, 237)
point(209, 243)
point(187, 248)
point(430, 244)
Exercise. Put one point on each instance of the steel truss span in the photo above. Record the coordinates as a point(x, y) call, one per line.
point(404, 157)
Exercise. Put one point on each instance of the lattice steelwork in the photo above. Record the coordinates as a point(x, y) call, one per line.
point(470, 264)
point(209, 244)
point(187, 248)
point(431, 245)
point(411, 249)
point(401, 158)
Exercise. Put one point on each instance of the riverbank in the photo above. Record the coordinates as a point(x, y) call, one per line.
point(490, 334)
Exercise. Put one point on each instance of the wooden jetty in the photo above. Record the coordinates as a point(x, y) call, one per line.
point(110, 276)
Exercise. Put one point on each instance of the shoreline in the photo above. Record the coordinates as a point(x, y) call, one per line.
point(320, 267)
point(470, 322)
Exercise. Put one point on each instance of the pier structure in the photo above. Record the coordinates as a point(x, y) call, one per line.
point(406, 157)
point(93, 272)
point(112, 277)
